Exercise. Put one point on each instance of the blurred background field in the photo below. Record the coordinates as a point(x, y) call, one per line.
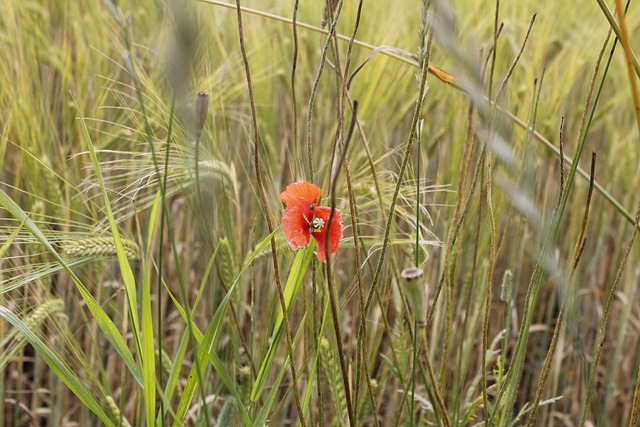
point(486, 221)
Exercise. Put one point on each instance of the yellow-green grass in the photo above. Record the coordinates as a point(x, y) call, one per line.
point(82, 78)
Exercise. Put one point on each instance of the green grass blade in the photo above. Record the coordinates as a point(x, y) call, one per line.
point(230, 383)
point(205, 353)
point(307, 395)
point(294, 281)
point(261, 419)
point(211, 334)
point(174, 375)
point(265, 366)
point(125, 268)
point(291, 290)
point(102, 319)
point(148, 353)
point(63, 372)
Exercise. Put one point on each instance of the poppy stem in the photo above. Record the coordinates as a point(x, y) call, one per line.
point(267, 214)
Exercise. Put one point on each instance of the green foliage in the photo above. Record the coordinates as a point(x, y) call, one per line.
point(137, 275)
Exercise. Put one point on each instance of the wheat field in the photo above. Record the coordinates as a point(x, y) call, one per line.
point(468, 171)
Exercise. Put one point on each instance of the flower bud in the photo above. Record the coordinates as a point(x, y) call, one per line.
point(202, 107)
point(415, 292)
point(506, 290)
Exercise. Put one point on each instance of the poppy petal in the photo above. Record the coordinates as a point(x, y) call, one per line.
point(335, 233)
point(301, 193)
point(295, 227)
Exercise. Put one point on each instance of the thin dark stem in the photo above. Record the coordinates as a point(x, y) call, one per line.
point(579, 242)
point(496, 30)
point(503, 84)
point(314, 88)
point(361, 345)
point(294, 64)
point(605, 317)
point(417, 249)
point(413, 368)
point(546, 367)
point(403, 167)
point(487, 306)
point(633, 420)
point(456, 231)
point(449, 80)
point(330, 285)
point(265, 208)
point(202, 101)
point(165, 206)
point(485, 323)
point(432, 377)
point(163, 218)
point(561, 145)
point(316, 338)
point(635, 95)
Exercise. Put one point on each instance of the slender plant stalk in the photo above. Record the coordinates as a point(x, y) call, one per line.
point(163, 218)
point(512, 68)
point(399, 54)
point(311, 178)
point(546, 367)
point(488, 293)
point(316, 337)
point(633, 420)
point(403, 166)
point(294, 101)
point(448, 79)
point(635, 95)
point(432, 377)
point(618, 30)
point(533, 289)
point(314, 88)
point(267, 214)
point(456, 230)
point(149, 134)
point(416, 262)
point(413, 371)
point(494, 51)
point(603, 322)
point(492, 221)
point(488, 179)
point(417, 247)
point(629, 58)
point(330, 284)
point(360, 347)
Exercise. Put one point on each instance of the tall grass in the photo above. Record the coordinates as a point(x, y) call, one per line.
point(144, 275)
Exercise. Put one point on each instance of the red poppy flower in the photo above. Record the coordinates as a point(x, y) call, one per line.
point(303, 218)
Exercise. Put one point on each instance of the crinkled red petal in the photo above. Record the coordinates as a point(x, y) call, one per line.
point(335, 233)
point(301, 193)
point(295, 227)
